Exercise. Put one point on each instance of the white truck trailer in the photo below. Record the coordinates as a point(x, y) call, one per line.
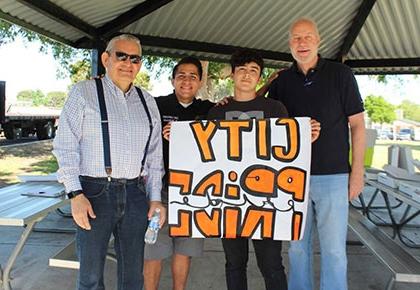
point(17, 122)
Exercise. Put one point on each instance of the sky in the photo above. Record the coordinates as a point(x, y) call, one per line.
point(23, 67)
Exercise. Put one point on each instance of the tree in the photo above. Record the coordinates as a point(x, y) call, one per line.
point(411, 110)
point(222, 88)
point(386, 79)
point(56, 99)
point(80, 71)
point(159, 64)
point(379, 110)
point(35, 97)
point(38, 98)
point(143, 80)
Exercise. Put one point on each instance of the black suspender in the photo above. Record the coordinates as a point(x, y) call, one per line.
point(105, 128)
point(146, 148)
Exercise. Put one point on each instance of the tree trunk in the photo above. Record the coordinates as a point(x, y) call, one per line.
point(206, 90)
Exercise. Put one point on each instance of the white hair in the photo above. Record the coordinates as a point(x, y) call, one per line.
point(129, 37)
point(307, 20)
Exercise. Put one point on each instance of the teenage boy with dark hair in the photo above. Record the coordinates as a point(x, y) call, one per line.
point(181, 105)
point(247, 67)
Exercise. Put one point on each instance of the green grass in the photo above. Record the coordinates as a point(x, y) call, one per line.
point(380, 153)
point(46, 166)
point(27, 159)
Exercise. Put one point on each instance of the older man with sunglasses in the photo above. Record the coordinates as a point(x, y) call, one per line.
point(109, 152)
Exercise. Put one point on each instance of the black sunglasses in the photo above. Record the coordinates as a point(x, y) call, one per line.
point(122, 56)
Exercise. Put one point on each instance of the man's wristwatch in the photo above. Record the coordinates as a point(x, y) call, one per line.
point(74, 193)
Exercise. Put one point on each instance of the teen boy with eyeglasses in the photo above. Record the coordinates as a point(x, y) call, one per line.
point(108, 142)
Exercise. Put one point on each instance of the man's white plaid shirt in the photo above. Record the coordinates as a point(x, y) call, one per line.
point(78, 145)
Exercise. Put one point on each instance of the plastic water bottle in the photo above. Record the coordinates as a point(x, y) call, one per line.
point(152, 230)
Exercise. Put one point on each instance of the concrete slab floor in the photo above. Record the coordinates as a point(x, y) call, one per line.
point(32, 272)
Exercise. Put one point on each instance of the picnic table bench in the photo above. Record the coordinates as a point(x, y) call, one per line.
point(67, 257)
point(403, 266)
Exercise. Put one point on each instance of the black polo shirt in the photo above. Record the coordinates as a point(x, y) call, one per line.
point(171, 110)
point(329, 94)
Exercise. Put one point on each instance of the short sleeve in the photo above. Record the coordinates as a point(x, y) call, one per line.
point(351, 99)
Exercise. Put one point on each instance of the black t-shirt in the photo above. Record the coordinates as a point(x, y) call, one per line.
point(258, 108)
point(171, 110)
point(329, 94)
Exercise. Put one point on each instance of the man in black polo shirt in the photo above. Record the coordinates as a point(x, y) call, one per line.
point(328, 92)
point(181, 105)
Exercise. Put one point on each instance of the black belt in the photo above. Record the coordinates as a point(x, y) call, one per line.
point(111, 179)
point(105, 128)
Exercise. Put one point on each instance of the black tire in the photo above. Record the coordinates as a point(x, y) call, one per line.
point(45, 130)
point(8, 131)
point(25, 132)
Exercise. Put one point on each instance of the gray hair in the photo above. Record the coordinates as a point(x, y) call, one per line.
point(304, 19)
point(127, 37)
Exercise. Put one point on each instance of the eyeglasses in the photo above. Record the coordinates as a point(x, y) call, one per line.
point(122, 56)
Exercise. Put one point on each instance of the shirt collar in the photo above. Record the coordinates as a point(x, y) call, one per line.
point(194, 101)
point(116, 90)
point(320, 63)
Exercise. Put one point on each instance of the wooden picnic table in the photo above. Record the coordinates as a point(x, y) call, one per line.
point(25, 211)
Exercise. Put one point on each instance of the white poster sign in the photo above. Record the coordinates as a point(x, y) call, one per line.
point(240, 178)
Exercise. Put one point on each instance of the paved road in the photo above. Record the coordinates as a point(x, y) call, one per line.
point(5, 142)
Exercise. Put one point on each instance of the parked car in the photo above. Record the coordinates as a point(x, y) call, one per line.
point(404, 134)
point(415, 134)
point(385, 135)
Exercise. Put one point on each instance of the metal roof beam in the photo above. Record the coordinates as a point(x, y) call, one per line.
point(189, 45)
point(206, 47)
point(179, 54)
point(384, 72)
point(56, 13)
point(355, 28)
point(37, 29)
point(132, 15)
point(214, 58)
point(386, 62)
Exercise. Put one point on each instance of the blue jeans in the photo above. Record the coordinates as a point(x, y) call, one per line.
point(269, 260)
point(121, 209)
point(328, 211)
